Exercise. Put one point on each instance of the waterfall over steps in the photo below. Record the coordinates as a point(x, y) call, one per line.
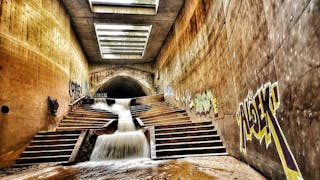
point(126, 142)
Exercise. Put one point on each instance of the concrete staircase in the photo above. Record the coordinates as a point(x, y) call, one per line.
point(175, 136)
point(59, 147)
point(159, 113)
point(84, 117)
point(187, 140)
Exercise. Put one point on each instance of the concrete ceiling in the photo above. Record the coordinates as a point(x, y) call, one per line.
point(83, 22)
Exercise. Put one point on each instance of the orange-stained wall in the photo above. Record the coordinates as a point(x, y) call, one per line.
point(232, 48)
point(39, 55)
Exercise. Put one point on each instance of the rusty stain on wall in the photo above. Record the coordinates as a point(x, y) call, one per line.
point(257, 116)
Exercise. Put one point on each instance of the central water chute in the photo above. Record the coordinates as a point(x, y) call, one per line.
point(126, 142)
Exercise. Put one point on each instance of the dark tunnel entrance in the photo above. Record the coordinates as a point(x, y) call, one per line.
point(122, 87)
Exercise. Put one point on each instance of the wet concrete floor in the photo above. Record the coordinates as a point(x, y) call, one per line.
point(197, 168)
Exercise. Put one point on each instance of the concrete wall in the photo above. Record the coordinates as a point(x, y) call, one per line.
point(100, 74)
point(222, 55)
point(39, 57)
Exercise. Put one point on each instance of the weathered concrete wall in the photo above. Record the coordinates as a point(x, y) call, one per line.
point(39, 56)
point(218, 60)
point(101, 74)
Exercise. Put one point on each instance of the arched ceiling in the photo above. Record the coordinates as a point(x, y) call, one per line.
point(83, 20)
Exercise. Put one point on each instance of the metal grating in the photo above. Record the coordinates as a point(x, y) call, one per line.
point(146, 7)
point(119, 41)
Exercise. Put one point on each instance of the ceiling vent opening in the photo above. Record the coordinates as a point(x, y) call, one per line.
point(121, 41)
point(143, 7)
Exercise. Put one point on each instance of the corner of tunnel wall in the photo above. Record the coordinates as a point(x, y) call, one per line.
point(221, 55)
point(39, 57)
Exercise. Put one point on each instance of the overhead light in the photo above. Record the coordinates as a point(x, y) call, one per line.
point(146, 7)
point(122, 41)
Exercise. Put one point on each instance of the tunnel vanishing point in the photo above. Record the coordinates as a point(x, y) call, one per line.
point(251, 68)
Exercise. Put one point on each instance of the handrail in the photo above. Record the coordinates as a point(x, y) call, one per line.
point(77, 100)
point(74, 103)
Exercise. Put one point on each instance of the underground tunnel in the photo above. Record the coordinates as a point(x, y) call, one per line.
point(222, 89)
point(122, 87)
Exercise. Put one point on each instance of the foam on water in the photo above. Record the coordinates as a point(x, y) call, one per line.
point(120, 145)
point(126, 142)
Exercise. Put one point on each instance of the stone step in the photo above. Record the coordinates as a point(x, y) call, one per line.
point(46, 152)
point(55, 136)
point(166, 119)
point(76, 112)
point(90, 109)
point(189, 144)
point(192, 150)
point(58, 133)
point(187, 128)
point(187, 139)
point(84, 121)
point(41, 159)
point(91, 115)
point(165, 116)
point(186, 133)
point(77, 128)
point(89, 118)
point(164, 122)
point(54, 141)
point(80, 124)
point(191, 155)
point(182, 125)
point(151, 110)
point(49, 147)
point(149, 116)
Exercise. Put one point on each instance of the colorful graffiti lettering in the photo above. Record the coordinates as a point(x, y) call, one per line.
point(257, 116)
point(204, 103)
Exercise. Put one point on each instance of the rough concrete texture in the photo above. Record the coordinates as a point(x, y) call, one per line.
point(83, 20)
point(101, 75)
point(39, 55)
point(234, 48)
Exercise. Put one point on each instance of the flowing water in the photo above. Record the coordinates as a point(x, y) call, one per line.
point(126, 142)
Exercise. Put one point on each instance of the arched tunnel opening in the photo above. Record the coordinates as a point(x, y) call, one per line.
point(122, 87)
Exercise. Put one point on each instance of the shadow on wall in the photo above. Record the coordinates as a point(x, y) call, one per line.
point(123, 87)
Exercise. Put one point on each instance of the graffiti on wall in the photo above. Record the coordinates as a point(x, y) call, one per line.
point(257, 116)
point(204, 103)
point(75, 90)
point(168, 91)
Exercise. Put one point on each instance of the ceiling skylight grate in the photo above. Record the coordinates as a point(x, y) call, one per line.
point(118, 41)
point(146, 7)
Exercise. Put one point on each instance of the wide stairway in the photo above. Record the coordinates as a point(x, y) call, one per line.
point(51, 147)
point(61, 146)
point(84, 117)
point(175, 136)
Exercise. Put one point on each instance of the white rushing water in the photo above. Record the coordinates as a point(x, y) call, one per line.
point(126, 142)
